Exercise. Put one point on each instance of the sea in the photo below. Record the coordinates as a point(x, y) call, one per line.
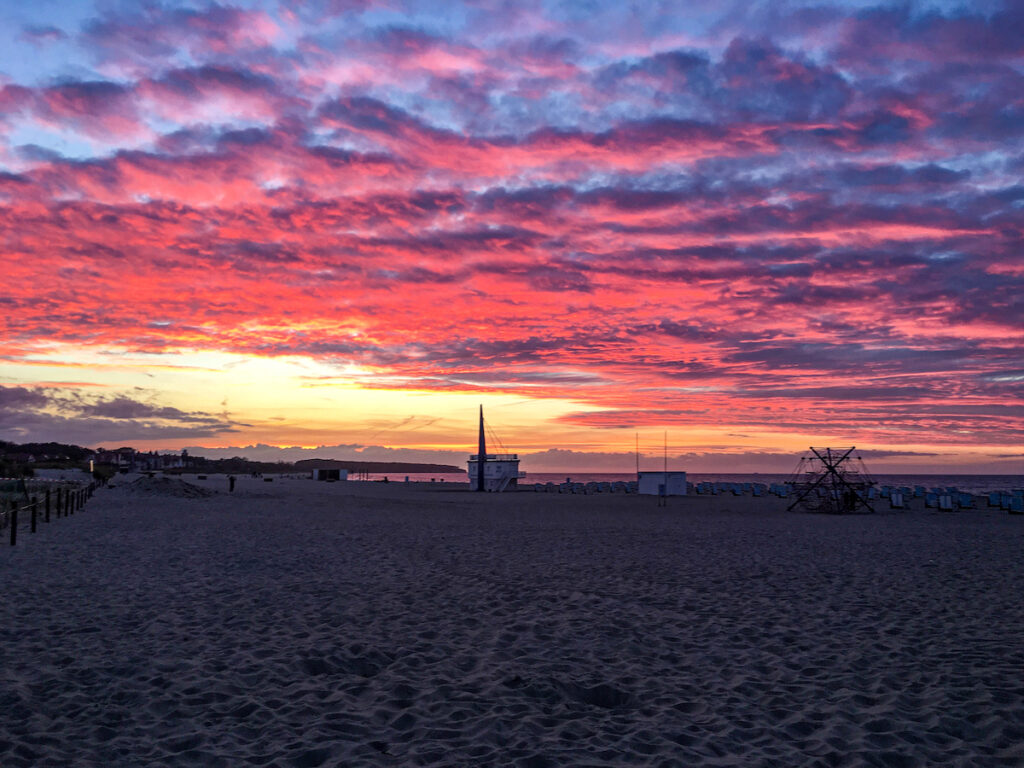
point(976, 484)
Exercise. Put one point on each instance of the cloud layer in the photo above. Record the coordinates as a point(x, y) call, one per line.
point(801, 220)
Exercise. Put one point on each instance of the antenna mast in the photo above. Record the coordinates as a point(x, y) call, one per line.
point(663, 497)
point(481, 454)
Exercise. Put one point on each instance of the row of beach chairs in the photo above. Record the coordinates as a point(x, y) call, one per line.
point(944, 499)
point(587, 488)
point(740, 489)
point(1012, 502)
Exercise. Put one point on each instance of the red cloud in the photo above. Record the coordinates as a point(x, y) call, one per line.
point(735, 235)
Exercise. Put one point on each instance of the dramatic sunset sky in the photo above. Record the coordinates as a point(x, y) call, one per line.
point(756, 226)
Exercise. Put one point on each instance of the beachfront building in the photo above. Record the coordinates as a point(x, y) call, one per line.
point(493, 472)
point(501, 471)
point(128, 459)
point(330, 474)
point(662, 483)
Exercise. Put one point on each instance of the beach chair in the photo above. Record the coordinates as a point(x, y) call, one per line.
point(896, 500)
point(945, 503)
point(1016, 506)
point(931, 500)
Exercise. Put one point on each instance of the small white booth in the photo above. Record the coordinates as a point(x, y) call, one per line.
point(662, 483)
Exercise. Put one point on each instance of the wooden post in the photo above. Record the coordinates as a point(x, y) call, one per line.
point(14, 523)
point(47, 505)
point(71, 501)
point(35, 503)
point(58, 502)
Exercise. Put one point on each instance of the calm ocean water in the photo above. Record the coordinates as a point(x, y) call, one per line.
point(964, 483)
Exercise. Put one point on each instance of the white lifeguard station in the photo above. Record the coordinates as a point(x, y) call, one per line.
point(494, 472)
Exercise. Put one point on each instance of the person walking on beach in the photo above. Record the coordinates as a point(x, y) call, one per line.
point(231, 483)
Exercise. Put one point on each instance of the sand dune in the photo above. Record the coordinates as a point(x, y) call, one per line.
point(302, 624)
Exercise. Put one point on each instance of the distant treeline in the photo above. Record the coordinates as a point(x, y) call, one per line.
point(377, 467)
point(45, 451)
point(240, 465)
point(22, 459)
point(19, 458)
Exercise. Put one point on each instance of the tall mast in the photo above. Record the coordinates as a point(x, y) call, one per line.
point(481, 454)
point(665, 472)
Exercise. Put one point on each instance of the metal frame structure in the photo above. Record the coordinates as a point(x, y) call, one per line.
point(832, 481)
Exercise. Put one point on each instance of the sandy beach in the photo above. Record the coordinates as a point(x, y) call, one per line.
point(294, 623)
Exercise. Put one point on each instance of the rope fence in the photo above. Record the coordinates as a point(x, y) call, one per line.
point(51, 503)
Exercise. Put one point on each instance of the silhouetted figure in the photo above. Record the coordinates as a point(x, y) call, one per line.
point(231, 483)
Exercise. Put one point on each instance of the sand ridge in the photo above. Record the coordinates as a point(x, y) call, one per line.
point(301, 623)
point(161, 485)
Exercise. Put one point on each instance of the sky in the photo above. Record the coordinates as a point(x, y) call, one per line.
point(336, 227)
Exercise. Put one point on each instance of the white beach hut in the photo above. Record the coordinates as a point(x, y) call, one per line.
point(652, 483)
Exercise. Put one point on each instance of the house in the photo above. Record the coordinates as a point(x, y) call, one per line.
point(128, 459)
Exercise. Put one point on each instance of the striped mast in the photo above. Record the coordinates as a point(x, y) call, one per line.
point(481, 454)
